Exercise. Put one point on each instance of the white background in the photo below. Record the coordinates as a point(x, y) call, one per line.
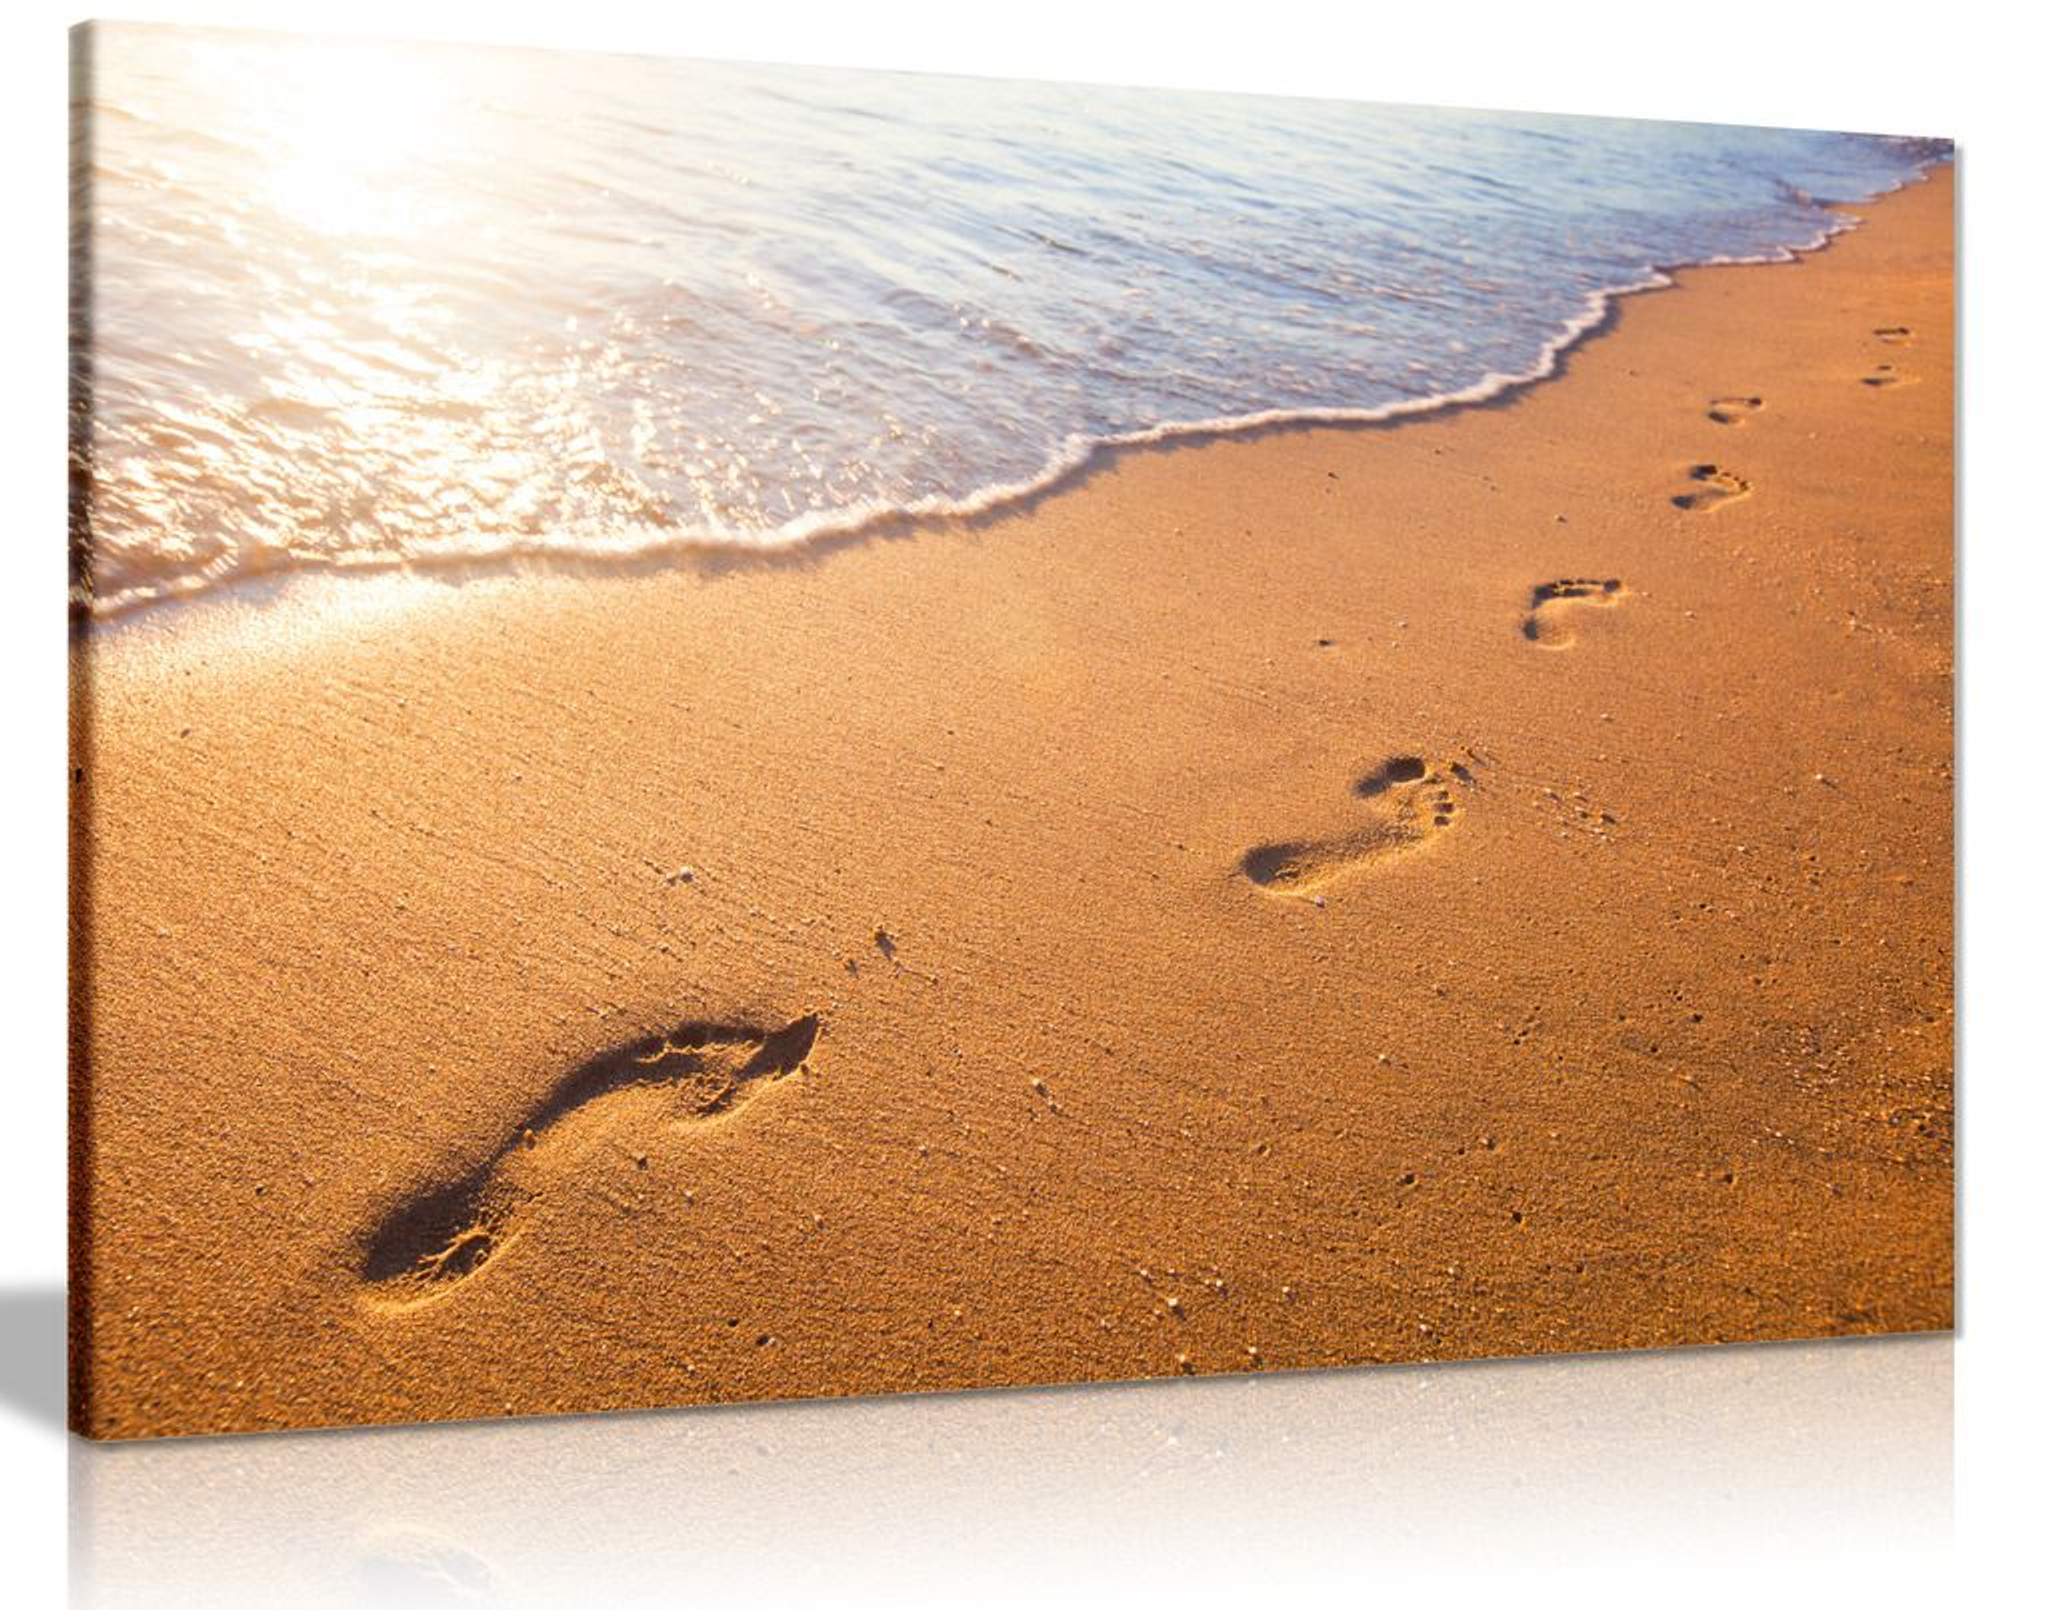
point(1775, 1475)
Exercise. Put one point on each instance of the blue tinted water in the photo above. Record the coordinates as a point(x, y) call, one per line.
point(375, 305)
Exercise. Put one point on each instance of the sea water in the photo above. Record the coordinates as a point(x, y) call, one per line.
point(353, 305)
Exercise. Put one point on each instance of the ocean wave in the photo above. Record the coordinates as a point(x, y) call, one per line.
point(686, 321)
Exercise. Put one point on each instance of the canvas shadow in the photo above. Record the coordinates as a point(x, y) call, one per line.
point(32, 1335)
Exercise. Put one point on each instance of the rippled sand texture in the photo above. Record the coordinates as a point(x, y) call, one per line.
point(1475, 887)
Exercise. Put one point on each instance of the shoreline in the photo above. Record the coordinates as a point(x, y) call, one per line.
point(1271, 904)
point(1079, 460)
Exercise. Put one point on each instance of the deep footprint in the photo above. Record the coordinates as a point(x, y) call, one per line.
point(1712, 487)
point(1885, 375)
point(1412, 804)
point(440, 1236)
point(1552, 603)
point(1733, 410)
point(1894, 335)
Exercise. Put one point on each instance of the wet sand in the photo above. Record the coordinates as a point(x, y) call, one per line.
point(1476, 886)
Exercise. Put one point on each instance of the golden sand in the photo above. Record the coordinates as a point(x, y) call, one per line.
point(1468, 887)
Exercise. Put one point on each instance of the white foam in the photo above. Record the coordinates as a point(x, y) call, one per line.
point(734, 346)
point(1077, 456)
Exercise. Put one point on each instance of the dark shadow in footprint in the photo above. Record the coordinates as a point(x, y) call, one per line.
point(1401, 769)
point(1733, 410)
point(1412, 803)
point(439, 1236)
point(1552, 603)
point(1886, 375)
point(1713, 486)
point(1894, 335)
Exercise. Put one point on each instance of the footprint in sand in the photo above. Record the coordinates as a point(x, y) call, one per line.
point(1886, 375)
point(441, 1235)
point(1734, 410)
point(1712, 487)
point(1894, 335)
point(1412, 803)
point(1552, 604)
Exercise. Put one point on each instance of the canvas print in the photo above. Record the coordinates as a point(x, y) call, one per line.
point(746, 733)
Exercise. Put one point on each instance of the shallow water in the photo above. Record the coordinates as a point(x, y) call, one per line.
point(361, 305)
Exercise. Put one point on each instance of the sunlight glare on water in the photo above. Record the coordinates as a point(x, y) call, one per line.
point(361, 305)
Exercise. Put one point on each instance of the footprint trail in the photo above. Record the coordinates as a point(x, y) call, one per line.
point(1734, 410)
point(1553, 603)
point(440, 1236)
point(1712, 487)
point(1411, 803)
